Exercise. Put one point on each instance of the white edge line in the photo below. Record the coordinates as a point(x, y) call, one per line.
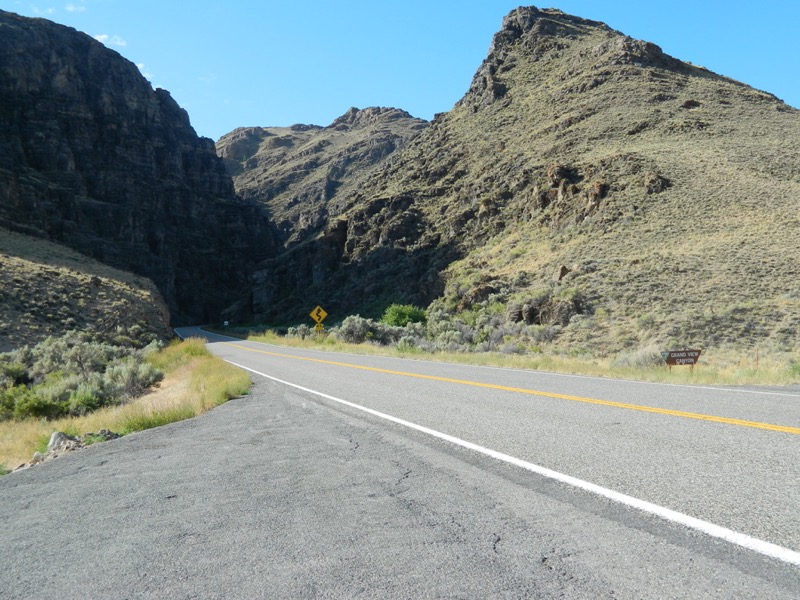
point(762, 547)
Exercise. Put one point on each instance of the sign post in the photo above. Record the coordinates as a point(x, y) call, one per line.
point(318, 314)
point(681, 357)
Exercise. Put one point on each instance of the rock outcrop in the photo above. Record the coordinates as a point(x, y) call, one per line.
point(92, 157)
point(298, 172)
point(60, 444)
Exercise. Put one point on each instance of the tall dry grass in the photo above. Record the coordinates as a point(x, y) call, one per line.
point(716, 367)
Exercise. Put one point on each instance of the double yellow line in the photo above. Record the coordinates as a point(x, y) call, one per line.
point(625, 405)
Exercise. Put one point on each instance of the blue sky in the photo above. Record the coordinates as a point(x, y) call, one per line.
point(269, 63)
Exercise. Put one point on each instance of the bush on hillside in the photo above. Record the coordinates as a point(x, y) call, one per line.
point(13, 373)
point(400, 315)
point(488, 326)
point(301, 331)
point(355, 329)
point(130, 378)
point(640, 358)
point(29, 404)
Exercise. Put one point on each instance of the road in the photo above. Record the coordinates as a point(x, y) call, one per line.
point(347, 476)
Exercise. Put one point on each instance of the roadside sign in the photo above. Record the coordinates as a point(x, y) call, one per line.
point(319, 327)
point(318, 314)
point(681, 357)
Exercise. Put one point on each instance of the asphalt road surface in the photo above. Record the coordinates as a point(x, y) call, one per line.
point(343, 476)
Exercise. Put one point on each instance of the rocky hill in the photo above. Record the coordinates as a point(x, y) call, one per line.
point(94, 158)
point(588, 187)
point(297, 171)
point(47, 289)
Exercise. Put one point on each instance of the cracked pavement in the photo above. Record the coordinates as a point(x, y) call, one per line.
point(281, 495)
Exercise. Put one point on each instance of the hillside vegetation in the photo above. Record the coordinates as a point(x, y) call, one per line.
point(589, 194)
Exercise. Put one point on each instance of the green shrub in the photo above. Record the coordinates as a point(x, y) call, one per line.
point(29, 404)
point(74, 353)
point(301, 331)
point(83, 400)
point(452, 340)
point(357, 330)
point(400, 315)
point(77, 373)
point(152, 348)
point(57, 387)
point(640, 358)
point(7, 402)
point(353, 330)
point(140, 422)
point(407, 343)
point(13, 373)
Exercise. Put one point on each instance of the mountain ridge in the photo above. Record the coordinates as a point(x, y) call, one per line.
point(295, 172)
point(586, 176)
point(588, 194)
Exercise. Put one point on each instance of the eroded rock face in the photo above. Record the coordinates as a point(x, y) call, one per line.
point(298, 173)
point(92, 157)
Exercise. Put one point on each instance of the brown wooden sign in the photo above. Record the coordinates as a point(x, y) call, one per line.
point(681, 357)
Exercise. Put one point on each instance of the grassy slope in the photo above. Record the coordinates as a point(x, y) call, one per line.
point(46, 288)
point(709, 260)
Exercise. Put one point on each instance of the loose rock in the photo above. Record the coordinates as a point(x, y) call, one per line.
point(60, 443)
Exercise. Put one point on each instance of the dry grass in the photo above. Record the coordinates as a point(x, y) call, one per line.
point(715, 367)
point(196, 382)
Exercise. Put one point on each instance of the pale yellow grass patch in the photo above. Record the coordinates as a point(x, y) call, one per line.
point(715, 367)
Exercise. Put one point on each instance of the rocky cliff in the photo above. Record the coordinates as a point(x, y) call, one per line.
point(92, 157)
point(588, 191)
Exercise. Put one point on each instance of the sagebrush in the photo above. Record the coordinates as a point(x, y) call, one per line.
point(74, 374)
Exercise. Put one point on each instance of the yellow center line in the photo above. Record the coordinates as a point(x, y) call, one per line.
point(625, 405)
